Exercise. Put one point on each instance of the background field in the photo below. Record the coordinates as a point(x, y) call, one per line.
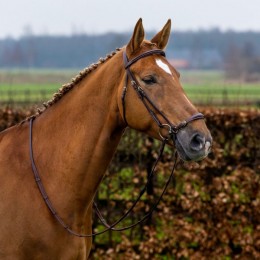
point(27, 87)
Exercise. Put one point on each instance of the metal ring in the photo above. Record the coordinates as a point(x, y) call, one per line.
point(170, 131)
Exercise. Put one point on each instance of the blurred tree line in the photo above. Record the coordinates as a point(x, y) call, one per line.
point(237, 52)
point(243, 63)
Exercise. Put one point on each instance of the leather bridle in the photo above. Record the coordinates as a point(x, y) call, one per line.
point(153, 111)
point(148, 103)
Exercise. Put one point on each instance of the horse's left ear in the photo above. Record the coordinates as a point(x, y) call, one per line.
point(162, 37)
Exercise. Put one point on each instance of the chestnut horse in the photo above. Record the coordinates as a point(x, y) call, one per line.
point(75, 137)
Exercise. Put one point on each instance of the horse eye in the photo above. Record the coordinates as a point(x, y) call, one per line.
point(149, 80)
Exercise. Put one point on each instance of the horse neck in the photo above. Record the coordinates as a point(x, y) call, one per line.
point(75, 139)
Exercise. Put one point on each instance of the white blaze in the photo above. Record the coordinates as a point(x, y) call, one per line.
point(164, 66)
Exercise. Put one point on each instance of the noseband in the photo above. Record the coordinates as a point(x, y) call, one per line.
point(148, 103)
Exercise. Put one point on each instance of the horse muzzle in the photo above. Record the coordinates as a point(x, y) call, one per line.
point(192, 145)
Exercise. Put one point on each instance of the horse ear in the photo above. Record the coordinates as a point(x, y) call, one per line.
point(162, 37)
point(137, 38)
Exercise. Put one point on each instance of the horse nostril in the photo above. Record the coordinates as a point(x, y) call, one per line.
point(197, 142)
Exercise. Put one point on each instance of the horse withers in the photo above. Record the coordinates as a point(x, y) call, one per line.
point(73, 140)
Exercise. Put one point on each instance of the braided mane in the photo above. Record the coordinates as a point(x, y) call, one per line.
point(67, 87)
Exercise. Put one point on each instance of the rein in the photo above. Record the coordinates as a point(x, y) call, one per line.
point(108, 226)
point(153, 111)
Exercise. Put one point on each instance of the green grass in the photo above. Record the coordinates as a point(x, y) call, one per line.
point(223, 93)
point(202, 87)
point(26, 92)
point(29, 87)
point(211, 87)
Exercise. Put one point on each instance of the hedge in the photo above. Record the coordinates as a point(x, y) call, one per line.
point(211, 209)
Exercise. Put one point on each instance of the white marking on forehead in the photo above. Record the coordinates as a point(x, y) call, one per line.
point(164, 66)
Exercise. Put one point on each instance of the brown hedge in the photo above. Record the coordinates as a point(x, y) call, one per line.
point(211, 210)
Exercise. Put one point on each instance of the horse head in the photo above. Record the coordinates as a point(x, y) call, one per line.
point(153, 100)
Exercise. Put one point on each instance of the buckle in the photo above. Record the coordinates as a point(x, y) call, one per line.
point(167, 128)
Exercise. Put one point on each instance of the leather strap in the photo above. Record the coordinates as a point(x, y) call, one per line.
point(148, 103)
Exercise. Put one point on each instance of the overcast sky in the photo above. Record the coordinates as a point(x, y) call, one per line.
point(18, 17)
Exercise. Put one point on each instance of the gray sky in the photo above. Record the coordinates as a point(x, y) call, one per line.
point(97, 16)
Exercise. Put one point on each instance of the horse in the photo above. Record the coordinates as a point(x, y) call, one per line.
point(71, 141)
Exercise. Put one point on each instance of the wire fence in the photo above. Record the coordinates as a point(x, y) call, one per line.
point(28, 97)
point(24, 97)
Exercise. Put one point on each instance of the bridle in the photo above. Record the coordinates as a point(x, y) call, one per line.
point(148, 103)
point(153, 111)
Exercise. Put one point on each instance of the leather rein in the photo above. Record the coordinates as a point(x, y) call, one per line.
point(154, 112)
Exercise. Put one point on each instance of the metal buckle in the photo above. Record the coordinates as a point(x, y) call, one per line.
point(133, 83)
point(170, 131)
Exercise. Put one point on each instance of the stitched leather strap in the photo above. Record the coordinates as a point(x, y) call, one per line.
point(153, 110)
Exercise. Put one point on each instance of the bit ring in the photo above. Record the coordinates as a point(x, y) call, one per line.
point(170, 131)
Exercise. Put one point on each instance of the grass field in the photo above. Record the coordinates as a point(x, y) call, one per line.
point(203, 87)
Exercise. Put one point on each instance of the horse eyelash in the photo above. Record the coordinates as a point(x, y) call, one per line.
point(149, 80)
